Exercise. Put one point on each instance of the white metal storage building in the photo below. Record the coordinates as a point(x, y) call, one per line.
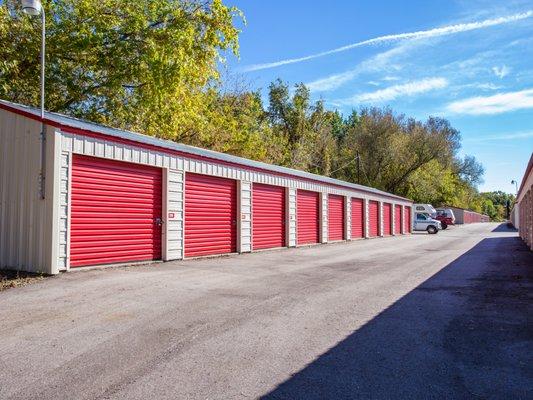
point(112, 196)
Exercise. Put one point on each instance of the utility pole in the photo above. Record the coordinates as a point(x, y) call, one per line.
point(34, 8)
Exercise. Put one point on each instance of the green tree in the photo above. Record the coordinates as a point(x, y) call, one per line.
point(145, 65)
point(153, 66)
point(470, 170)
point(433, 184)
point(499, 201)
point(384, 150)
point(307, 128)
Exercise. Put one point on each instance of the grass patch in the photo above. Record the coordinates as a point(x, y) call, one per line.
point(11, 279)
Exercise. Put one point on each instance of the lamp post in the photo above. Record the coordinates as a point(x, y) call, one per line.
point(515, 185)
point(34, 8)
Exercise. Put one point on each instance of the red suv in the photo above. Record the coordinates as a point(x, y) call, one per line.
point(446, 217)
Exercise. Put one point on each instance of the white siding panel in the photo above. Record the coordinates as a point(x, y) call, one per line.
point(291, 216)
point(366, 219)
point(380, 211)
point(64, 204)
point(323, 217)
point(245, 216)
point(25, 229)
point(174, 231)
point(348, 218)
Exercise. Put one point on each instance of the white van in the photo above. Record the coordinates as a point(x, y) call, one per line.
point(425, 209)
point(424, 222)
point(424, 219)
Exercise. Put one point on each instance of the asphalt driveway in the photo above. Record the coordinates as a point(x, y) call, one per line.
point(441, 316)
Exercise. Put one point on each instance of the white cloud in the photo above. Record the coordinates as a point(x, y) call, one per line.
point(375, 63)
point(435, 32)
point(396, 91)
point(501, 72)
point(333, 81)
point(487, 86)
point(476, 85)
point(496, 104)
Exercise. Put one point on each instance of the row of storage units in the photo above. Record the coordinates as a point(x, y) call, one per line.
point(118, 197)
point(522, 213)
point(463, 216)
point(471, 217)
point(114, 205)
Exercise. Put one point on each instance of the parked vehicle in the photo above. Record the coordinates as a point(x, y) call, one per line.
point(424, 222)
point(445, 216)
point(425, 209)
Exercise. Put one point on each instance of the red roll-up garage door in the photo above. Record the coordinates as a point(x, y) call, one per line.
point(335, 217)
point(210, 215)
point(268, 216)
point(373, 218)
point(407, 219)
point(387, 211)
point(115, 207)
point(357, 218)
point(397, 219)
point(307, 214)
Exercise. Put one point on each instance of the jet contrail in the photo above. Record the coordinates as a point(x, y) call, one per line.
point(446, 30)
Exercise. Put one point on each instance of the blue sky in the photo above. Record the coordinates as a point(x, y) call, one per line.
point(469, 61)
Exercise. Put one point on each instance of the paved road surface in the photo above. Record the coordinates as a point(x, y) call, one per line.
point(442, 316)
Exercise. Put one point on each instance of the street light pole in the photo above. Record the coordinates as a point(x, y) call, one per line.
point(43, 127)
point(34, 7)
point(43, 52)
point(515, 185)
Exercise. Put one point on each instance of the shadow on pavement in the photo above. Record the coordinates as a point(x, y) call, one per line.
point(463, 333)
point(505, 227)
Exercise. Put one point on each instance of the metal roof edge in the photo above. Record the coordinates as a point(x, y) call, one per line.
point(163, 143)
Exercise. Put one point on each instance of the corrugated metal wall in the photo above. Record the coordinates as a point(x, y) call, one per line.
point(463, 216)
point(41, 242)
point(408, 219)
point(210, 215)
point(459, 215)
point(28, 224)
point(336, 218)
point(358, 218)
point(387, 219)
point(115, 209)
point(524, 206)
point(308, 212)
point(374, 220)
point(397, 220)
point(268, 216)
point(526, 217)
